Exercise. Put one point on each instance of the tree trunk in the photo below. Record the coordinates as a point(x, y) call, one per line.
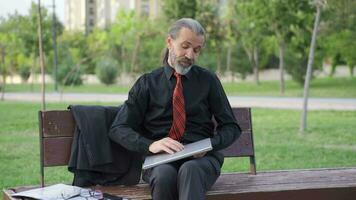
point(218, 62)
point(3, 85)
point(282, 47)
point(255, 65)
point(228, 58)
point(123, 59)
point(252, 55)
point(42, 64)
point(333, 66)
point(135, 53)
point(303, 123)
point(351, 68)
point(32, 72)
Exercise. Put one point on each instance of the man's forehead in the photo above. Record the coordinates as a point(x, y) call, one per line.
point(187, 35)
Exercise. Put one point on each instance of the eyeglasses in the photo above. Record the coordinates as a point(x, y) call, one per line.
point(86, 194)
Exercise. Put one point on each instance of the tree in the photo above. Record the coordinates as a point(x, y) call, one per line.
point(232, 32)
point(319, 4)
point(126, 34)
point(209, 16)
point(40, 49)
point(339, 33)
point(137, 42)
point(174, 10)
point(299, 45)
point(2, 71)
point(21, 41)
point(253, 28)
point(10, 46)
point(280, 16)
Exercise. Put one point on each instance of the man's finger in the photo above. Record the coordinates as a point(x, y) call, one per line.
point(167, 150)
point(171, 146)
point(177, 146)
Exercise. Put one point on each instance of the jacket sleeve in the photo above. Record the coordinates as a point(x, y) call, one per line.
point(227, 129)
point(125, 129)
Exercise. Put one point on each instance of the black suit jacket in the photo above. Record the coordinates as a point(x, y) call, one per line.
point(95, 159)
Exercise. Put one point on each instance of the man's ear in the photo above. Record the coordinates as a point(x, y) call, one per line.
point(169, 42)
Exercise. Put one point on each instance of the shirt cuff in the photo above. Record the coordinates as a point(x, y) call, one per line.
point(215, 141)
point(144, 144)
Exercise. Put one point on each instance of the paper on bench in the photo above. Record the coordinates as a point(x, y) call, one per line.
point(189, 150)
point(54, 192)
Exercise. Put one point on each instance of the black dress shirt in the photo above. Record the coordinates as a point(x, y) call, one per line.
point(147, 114)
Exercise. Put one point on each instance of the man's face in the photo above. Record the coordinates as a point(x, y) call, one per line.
point(184, 50)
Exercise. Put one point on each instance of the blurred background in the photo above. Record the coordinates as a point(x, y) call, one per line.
point(114, 41)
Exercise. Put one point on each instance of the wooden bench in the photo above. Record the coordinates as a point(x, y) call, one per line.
point(56, 131)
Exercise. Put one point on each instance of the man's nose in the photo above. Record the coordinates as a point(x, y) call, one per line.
point(190, 54)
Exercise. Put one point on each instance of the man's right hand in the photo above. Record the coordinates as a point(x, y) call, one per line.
point(167, 145)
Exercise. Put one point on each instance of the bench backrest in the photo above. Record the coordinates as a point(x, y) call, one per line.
point(57, 129)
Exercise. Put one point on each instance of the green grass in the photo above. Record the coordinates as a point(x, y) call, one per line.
point(321, 87)
point(329, 142)
point(88, 88)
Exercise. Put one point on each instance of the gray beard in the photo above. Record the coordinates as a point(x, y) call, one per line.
point(176, 66)
point(182, 70)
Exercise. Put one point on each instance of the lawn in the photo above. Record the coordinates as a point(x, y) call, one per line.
point(321, 87)
point(329, 142)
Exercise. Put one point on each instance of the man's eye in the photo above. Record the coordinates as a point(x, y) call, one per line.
point(197, 50)
point(185, 46)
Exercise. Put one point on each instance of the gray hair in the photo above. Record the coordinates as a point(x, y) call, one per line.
point(174, 30)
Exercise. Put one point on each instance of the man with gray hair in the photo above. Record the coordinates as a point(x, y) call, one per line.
point(174, 105)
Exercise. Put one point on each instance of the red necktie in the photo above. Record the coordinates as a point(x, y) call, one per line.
point(178, 124)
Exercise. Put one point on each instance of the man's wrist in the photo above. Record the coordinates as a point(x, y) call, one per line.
point(145, 144)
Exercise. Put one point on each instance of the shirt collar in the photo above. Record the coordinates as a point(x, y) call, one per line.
point(168, 70)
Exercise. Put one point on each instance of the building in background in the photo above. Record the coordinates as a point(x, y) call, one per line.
point(84, 15)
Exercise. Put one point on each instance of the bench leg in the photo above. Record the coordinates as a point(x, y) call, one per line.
point(252, 165)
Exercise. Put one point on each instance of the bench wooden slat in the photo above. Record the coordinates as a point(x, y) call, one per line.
point(241, 147)
point(243, 118)
point(56, 151)
point(57, 123)
point(299, 182)
point(315, 184)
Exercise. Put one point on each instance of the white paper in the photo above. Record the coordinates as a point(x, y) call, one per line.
point(54, 192)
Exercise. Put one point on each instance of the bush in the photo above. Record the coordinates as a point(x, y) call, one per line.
point(107, 70)
point(24, 72)
point(68, 74)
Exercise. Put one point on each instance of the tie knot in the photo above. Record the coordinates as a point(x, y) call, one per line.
point(178, 76)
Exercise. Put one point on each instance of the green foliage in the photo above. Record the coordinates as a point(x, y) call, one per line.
point(69, 73)
point(137, 42)
point(340, 46)
point(175, 10)
point(25, 72)
point(241, 27)
point(74, 46)
point(107, 70)
point(208, 14)
point(18, 35)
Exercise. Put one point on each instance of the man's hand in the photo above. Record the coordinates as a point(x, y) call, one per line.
point(167, 145)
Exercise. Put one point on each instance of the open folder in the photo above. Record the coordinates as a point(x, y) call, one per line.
point(189, 150)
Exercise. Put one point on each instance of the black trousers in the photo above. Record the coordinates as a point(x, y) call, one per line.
point(184, 179)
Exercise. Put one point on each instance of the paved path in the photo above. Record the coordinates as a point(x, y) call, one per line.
point(245, 101)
